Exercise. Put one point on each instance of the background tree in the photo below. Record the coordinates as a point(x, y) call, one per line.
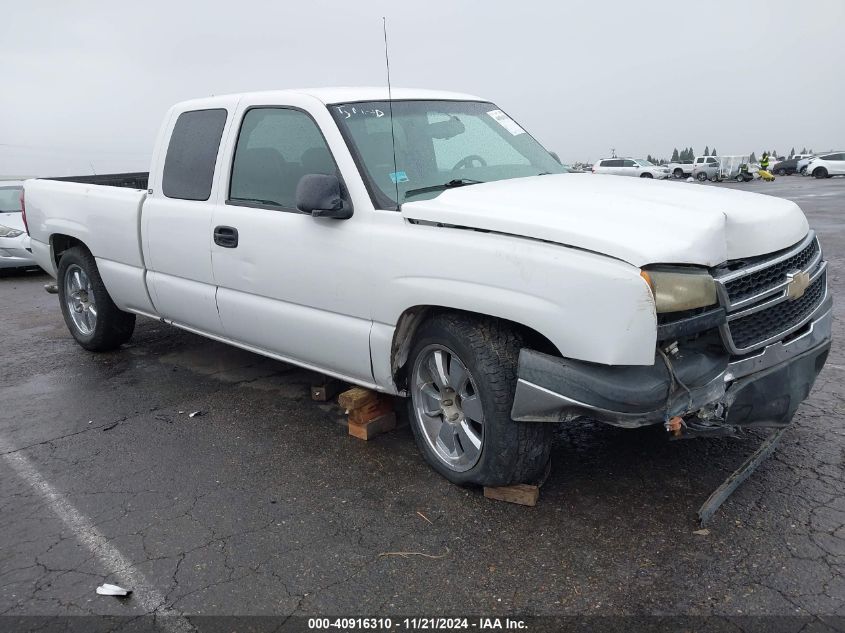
point(713, 153)
point(675, 156)
point(792, 152)
point(706, 150)
point(804, 151)
point(752, 158)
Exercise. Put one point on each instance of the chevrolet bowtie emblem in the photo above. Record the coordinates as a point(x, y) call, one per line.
point(797, 285)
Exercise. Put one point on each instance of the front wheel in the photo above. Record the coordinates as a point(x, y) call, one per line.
point(820, 172)
point(93, 319)
point(781, 172)
point(701, 176)
point(462, 380)
point(646, 175)
point(678, 173)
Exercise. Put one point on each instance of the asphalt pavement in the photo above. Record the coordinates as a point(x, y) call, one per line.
point(263, 505)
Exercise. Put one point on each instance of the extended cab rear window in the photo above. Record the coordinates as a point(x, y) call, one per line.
point(192, 153)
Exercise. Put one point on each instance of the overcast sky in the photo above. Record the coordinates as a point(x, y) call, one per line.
point(85, 84)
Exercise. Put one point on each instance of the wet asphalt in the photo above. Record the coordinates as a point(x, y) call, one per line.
point(263, 505)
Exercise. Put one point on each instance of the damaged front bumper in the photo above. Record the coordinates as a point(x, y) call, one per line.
point(760, 389)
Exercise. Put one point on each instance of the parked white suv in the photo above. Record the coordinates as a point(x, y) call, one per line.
point(705, 168)
point(462, 268)
point(827, 165)
point(630, 167)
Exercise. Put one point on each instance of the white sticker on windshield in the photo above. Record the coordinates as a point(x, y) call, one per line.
point(506, 122)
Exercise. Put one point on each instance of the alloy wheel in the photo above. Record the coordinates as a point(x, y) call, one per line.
point(447, 407)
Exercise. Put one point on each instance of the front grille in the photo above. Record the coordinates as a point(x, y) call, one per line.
point(766, 279)
point(763, 325)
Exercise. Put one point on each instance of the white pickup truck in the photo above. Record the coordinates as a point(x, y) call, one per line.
point(429, 247)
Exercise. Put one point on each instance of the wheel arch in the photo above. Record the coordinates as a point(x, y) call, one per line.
point(60, 242)
point(412, 318)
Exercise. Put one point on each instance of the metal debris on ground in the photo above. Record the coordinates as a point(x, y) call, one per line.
point(112, 590)
point(51, 288)
point(702, 532)
point(194, 414)
point(706, 512)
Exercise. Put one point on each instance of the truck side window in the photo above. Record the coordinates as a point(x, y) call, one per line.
point(192, 153)
point(276, 147)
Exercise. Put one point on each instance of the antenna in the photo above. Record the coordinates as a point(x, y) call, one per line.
point(390, 107)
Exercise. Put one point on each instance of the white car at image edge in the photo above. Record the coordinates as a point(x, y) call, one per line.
point(630, 167)
point(14, 242)
point(827, 165)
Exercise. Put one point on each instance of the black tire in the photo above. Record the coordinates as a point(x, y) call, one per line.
point(511, 452)
point(678, 173)
point(820, 172)
point(113, 326)
point(804, 171)
point(781, 172)
point(646, 175)
point(701, 176)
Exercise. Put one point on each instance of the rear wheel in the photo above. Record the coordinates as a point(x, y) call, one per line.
point(90, 314)
point(646, 175)
point(701, 176)
point(781, 172)
point(462, 381)
point(820, 172)
point(678, 173)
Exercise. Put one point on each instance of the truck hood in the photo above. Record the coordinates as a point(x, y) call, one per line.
point(638, 221)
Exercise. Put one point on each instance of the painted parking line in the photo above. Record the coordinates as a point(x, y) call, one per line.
point(143, 592)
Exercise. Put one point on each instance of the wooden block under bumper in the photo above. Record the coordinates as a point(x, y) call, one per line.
point(523, 494)
point(376, 426)
point(356, 398)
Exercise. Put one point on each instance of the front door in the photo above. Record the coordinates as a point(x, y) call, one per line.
point(292, 285)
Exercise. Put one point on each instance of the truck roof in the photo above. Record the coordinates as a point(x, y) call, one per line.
point(344, 95)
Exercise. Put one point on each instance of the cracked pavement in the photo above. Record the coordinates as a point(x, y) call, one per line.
point(263, 505)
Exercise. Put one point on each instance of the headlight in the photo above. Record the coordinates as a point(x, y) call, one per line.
point(674, 292)
point(6, 231)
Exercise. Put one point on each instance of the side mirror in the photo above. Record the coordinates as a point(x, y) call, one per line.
point(319, 195)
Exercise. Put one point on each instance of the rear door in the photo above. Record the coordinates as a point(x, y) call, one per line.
point(837, 164)
point(629, 168)
point(292, 285)
point(176, 217)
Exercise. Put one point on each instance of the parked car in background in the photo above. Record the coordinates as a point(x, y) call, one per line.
point(630, 167)
point(827, 165)
point(705, 168)
point(785, 167)
point(803, 162)
point(14, 242)
point(680, 168)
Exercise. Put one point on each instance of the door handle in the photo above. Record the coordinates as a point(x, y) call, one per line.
point(226, 236)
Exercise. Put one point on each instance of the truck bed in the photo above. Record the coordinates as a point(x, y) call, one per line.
point(129, 180)
point(106, 218)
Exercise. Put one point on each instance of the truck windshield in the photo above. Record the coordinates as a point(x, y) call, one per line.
point(439, 145)
point(10, 199)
